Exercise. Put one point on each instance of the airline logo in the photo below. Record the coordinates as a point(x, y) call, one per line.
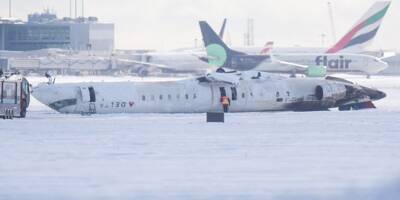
point(365, 30)
point(340, 63)
point(217, 55)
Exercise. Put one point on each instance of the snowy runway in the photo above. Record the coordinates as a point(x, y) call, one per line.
point(287, 155)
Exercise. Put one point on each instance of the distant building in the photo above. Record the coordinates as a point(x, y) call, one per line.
point(45, 30)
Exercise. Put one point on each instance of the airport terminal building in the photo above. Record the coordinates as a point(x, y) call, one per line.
point(45, 30)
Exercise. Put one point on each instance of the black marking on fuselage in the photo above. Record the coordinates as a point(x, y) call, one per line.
point(58, 105)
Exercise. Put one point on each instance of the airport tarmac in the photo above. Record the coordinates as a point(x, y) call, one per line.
point(278, 155)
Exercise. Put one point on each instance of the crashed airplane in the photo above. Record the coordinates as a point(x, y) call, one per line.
point(249, 91)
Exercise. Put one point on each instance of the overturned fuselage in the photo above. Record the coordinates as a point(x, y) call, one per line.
point(247, 91)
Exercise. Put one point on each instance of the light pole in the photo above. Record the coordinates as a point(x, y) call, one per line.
point(9, 9)
point(333, 29)
point(70, 9)
point(83, 9)
point(323, 35)
point(76, 9)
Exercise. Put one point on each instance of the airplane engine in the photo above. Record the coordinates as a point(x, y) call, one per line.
point(143, 71)
point(331, 92)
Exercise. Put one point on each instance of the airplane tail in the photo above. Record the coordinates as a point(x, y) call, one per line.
point(218, 53)
point(222, 31)
point(267, 50)
point(364, 31)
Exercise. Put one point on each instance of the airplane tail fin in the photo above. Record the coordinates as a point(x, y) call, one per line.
point(267, 50)
point(364, 31)
point(222, 31)
point(218, 53)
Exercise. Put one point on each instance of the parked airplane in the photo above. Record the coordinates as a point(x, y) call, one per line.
point(355, 41)
point(314, 65)
point(182, 60)
point(249, 91)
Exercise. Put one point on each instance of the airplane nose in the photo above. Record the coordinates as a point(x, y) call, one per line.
point(44, 94)
point(383, 65)
point(60, 98)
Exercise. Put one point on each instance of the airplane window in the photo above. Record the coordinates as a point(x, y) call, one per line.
point(143, 98)
point(186, 96)
point(251, 94)
point(178, 96)
point(243, 95)
point(161, 97)
point(169, 97)
point(194, 96)
point(277, 94)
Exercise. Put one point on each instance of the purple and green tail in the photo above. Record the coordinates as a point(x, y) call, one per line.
point(363, 33)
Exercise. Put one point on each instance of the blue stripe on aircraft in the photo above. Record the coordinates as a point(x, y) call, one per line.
point(363, 38)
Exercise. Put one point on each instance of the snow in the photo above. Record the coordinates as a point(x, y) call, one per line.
point(276, 155)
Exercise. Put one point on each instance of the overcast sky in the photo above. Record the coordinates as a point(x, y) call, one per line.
point(169, 24)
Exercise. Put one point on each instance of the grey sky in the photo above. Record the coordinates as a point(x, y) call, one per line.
point(168, 24)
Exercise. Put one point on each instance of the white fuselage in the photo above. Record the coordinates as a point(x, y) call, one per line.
point(268, 93)
point(335, 63)
point(254, 50)
point(178, 61)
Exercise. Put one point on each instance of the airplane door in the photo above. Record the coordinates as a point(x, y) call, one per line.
point(85, 94)
point(88, 99)
point(222, 91)
point(92, 95)
point(88, 94)
point(219, 92)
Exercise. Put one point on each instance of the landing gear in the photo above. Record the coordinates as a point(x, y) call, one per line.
point(293, 74)
point(221, 70)
point(344, 108)
point(368, 76)
point(358, 106)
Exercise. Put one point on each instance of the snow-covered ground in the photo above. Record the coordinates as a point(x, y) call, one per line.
point(282, 155)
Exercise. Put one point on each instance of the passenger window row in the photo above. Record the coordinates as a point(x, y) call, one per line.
point(168, 97)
